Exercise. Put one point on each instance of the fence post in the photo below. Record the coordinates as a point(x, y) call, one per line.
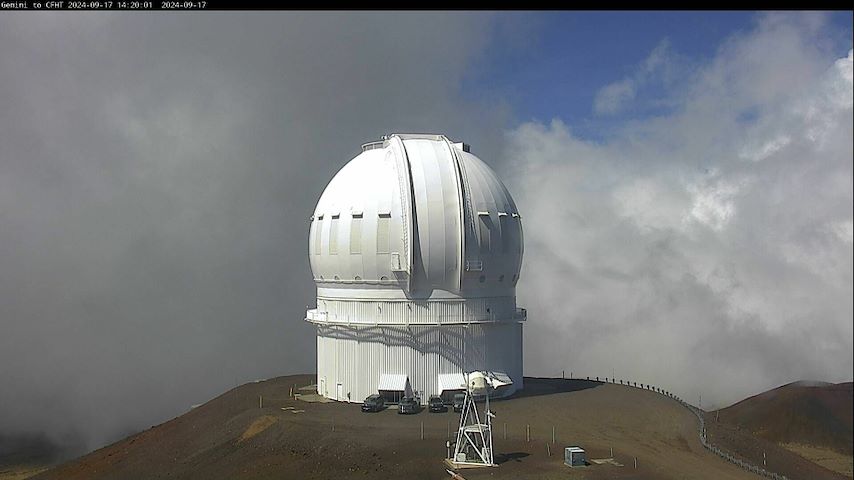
point(528, 433)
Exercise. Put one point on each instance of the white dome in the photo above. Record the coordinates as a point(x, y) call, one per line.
point(416, 216)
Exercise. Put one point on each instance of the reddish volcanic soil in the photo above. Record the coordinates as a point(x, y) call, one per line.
point(801, 413)
point(232, 437)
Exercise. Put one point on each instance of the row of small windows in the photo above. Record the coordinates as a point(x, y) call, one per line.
point(510, 229)
point(383, 226)
point(510, 233)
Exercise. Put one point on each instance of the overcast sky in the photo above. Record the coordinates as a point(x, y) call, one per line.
point(685, 182)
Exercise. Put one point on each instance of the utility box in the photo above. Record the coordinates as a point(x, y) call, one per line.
point(574, 457)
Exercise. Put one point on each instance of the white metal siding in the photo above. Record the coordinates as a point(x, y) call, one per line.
point(357, 356)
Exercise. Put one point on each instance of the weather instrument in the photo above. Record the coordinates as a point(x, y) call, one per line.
point(474, 437)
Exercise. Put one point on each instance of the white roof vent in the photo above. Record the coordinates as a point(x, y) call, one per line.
point(372, 145)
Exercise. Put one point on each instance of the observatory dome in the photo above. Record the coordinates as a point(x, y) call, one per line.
point(415, 246)
point(415, 216)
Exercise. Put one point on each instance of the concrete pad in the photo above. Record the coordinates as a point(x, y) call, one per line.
point(313, 398)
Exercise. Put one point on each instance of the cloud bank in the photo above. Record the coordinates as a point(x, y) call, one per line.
point(708, 249)
point(157, 173)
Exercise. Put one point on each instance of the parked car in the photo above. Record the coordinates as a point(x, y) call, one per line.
point(374, 403)
point(408, 405)
point(459, 400)
point(436, 404)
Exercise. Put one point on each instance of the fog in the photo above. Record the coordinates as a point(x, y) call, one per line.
point(157, 173)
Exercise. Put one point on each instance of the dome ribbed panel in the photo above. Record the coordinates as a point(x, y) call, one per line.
point(413, 183)
point(438, 214)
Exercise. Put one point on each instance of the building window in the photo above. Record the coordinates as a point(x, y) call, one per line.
point(485, 225)
point(312, 242)
point(333, 236)
point(508, 233)
point(318, 234)
point(383, 225)
point(356, 235)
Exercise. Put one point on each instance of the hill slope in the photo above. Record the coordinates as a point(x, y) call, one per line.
point(811, 419)
point(232, 437)
point(811, 413)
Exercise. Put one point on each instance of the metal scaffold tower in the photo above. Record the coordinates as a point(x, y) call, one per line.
point(474, 438)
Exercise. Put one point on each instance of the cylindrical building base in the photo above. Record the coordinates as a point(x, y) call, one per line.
point(356, 361)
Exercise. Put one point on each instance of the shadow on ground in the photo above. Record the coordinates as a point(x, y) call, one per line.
point(507, 457)
point(536, 386)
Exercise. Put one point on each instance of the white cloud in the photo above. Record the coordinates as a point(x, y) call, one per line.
point(844, 230)
point(768, 148)
point(662, 253)
point(820, 111)
point(614, 97)
point(650, 204)
point(714, 202)
point(611, 98)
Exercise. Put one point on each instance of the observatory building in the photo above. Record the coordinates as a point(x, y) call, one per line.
point(416, 248)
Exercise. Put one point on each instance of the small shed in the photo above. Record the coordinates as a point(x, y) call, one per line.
point(574, 457)
point(450, 384)
point(394, 387)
